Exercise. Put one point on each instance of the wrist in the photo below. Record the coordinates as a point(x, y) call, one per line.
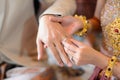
point(101, 60)
point(84, 24)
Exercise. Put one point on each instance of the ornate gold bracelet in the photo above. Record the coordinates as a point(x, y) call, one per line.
point(108, 72)
point(86, 25)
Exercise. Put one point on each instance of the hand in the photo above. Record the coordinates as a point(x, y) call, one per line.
point(80, 53)
point(51, 34)
point(70, 24)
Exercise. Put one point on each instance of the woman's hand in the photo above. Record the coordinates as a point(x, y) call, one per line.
point(70, 23)
point(51, 35)
point(82, 54)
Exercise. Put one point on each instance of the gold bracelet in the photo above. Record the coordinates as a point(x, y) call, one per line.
point(109, 70)
point(86, 25)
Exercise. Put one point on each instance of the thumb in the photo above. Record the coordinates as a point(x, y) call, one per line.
point(56, 19)
point(40, 49)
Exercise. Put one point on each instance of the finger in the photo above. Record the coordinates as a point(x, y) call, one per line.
point(63, 54)
point(69, 45)
point(77, 43)
point(56, 19)
point(56, 55)
point(40, 49)
point(71, 54)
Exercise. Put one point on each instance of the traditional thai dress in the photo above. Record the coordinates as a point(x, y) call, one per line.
point(109, 13)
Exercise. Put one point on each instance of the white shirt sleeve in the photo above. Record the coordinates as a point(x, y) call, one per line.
point(62, 7)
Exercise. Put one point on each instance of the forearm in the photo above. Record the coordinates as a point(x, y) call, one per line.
point(102, 62)
point(95, 21)
point(61, 7)
point(99, 7)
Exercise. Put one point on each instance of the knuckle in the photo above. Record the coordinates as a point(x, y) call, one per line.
point(54, 37)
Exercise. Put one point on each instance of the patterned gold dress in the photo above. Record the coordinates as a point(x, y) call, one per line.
point(111, 34)
point(110, 12)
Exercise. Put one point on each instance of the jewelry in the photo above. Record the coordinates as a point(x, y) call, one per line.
point(111, 32)
point(85, 25)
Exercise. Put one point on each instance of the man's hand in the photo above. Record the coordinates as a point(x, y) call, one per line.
point(52, 34)
point(82, 54)
point(70, 23)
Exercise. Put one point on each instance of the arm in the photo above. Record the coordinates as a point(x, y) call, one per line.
point(94, 22)
point(82, 54)
point(99, 6)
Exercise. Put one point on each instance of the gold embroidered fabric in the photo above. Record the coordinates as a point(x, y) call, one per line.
point(110, 12)
point(113, 36)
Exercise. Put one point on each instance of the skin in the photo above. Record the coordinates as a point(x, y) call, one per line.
point(81, 54)
point(50, 37)
point(69, 23)
point(50, 34)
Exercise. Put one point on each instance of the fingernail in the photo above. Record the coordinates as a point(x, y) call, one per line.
point(70, 64)
point(61, 64)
